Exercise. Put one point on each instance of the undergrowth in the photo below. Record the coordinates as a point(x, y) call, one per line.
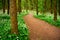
point(49, 19)
point(5, 27)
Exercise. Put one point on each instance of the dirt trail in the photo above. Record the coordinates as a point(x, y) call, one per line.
point(41, 30)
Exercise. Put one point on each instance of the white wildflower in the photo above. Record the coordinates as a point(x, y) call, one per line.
point(0, 36)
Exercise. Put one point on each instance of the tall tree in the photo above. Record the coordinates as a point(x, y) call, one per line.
point(8, 6)
point(0, 4)
point(31, 4)
point(51, 7)
point(3, 3)
point(19, 6)
point(45, 6)
point(13, 16)
point(55, 10)
point(59, 6)
point(36, 6)
point(26, 5)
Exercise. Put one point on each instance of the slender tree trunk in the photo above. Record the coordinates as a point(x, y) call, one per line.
point(8, 6)
point(31, 4)
point(37, 7)
point(59, 6)
point(19, 6)
point(13, 16)
point(34, 3)
point(26, 6)
point(3, 3)
point(51, 7)
point(55, 10)
point(44, 6)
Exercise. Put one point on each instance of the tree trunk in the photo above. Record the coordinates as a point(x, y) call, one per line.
point(19, 6)
point(8, 6)
point(13, 16)
point(55, 10)
point(34, 4)
point(59, 6)
point(3, 3)
point(51, 7)
point(27, 5)
point(44, 6)
point(31, 4)
point(36, 7)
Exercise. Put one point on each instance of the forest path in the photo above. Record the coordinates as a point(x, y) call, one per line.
point(41, 30)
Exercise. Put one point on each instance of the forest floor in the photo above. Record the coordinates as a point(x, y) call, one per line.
point(41, 30)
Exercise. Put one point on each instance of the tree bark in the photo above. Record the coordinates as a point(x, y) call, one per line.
point(55, 10)
point(13, 16)
point(59, 6)
point(27, 5)
point(8, 6)
point(44, 6)
point(19, 6)
point(31, 4)
point(51, 7)
point(3, 3)
point(37, 7)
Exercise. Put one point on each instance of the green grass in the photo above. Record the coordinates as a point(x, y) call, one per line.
point(49, 18)
point(5, 28)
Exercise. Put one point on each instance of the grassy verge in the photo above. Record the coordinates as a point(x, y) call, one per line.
point(5, 28)
point(49, 19)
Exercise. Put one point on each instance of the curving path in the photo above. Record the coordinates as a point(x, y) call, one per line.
point(41, 30)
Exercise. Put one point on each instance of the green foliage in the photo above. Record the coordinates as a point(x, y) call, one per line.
point(49, 19)
point(5, 28)
point(41, 4)
point(0, 4)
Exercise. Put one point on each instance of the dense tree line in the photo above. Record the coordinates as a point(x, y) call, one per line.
point(43, 5)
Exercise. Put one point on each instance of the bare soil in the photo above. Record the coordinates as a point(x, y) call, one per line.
point(41, 30)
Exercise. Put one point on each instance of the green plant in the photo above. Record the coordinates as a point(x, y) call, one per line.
point(5, 28)
point(48, 19)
